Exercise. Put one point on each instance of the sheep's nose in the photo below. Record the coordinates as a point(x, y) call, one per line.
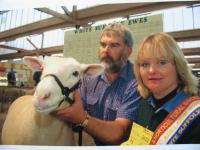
point(44, 96)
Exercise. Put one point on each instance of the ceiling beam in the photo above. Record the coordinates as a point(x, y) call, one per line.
point(191, 51)
point(87, 15)
point(186, 35)
point(193, 60)
point(67, 12)
point(43, 51)
point(19, 50)
point(196, 66)
point(57, 15)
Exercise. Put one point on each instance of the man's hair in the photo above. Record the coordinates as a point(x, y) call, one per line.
point(163, 44)
point(120, 30)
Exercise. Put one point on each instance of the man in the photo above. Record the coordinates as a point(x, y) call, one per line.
point(11, 78)
point(111, 99)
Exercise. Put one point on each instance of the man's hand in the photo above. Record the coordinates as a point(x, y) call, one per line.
point(74, 113)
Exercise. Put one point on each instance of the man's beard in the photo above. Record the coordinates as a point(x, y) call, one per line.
point(112, 66)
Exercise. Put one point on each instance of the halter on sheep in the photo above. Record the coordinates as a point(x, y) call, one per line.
point(30, 123)
point(65, 90)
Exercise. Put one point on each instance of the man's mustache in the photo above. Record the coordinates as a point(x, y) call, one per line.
point(110, 64)
point(107, 59)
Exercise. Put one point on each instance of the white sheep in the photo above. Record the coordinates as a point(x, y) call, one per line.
point(28, 121)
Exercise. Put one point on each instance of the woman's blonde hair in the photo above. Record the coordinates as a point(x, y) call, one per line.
point(163, 44)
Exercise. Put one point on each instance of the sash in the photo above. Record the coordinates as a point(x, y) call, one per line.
point(174, 125)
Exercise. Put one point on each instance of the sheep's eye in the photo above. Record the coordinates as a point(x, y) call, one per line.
point(75, 73)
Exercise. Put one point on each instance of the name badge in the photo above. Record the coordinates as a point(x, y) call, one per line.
point(138, 136)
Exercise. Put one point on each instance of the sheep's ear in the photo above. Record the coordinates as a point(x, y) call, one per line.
point(33, 63)
point(92, 69)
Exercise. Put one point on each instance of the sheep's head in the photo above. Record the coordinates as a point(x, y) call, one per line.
point(48, 94)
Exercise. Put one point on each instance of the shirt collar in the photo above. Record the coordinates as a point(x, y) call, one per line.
point(171, 104)
point(127, 71)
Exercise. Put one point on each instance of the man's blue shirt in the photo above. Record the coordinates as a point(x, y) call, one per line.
point(108, 101)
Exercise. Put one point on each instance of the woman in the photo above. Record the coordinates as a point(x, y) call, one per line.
point(170, 109)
